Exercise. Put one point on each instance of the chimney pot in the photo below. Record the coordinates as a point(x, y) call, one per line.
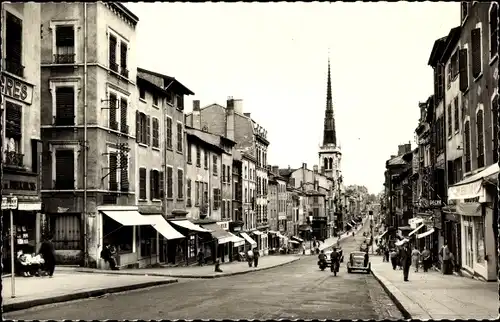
point(276, 169)
point(230, 103)
point(196, 105)
point(304, 165)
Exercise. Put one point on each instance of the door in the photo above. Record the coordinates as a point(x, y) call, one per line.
point(163, 249)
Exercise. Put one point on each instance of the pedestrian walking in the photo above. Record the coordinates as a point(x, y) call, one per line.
point(201, 258)
point(415, 258)
point(386, 253)
point(426, 259)
point(303, 249)
point(446, 259)
point(217, 266)
point(394, 258)
point(250, 257)
point(405, 260)
point(49, 255)
point(256, 256)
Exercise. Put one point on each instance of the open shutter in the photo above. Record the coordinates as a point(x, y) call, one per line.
point(112, 112)
point(112, 53)
point(151, 185)
point(440, 81)
point(113, 166)
point(123, 115)
point(123, 55)
point(65, 173)
point(169, 183)
point(14, 38)
point(137, 126)
point(148, 130)
point(476, 51)
point(462, 67)
point(13, 117)
point(162, 184)
point(124, 172)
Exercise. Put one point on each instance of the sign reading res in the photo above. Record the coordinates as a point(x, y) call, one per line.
point(16, 89)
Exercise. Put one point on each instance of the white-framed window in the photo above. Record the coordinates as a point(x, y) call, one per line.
point(64, 41)
point(180, 184)
point(155, 184)
point(155, 132)
point(476, 51)
point(480, 136)
point(13, 43)
point(493, 30)
point(64, 166)
point(13, 147)
point(117, 109)
point(118, 48)
point(118, 169)
point(180, 136)
point(156, 99)
point(494, 126)
point(64, 102)
point(142, 128)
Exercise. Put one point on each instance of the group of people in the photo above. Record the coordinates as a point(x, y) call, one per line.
point(40, 264)
point(334, 259)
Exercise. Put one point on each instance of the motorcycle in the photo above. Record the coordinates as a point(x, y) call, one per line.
point(322, 264)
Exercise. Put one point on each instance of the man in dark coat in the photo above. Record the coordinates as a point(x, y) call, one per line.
point(405, 258)
point(49, 255)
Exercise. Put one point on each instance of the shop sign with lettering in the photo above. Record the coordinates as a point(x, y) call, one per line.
point(16, 89)
point(223, 224)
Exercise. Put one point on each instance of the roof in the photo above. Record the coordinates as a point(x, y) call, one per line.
point(208, 138)
point(437, 51)
point(396, 161)
point(286, 172)
point(451, 42)
point(169, 80)
point(150, 85)
point(125, 10)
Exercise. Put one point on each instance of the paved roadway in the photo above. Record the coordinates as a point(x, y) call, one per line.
point(295, 291)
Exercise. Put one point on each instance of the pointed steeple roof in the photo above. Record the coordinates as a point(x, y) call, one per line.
point(329, 134)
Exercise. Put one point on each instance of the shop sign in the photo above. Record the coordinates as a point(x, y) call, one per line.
point(9, 203)
point(223, 224)
point(16, 89)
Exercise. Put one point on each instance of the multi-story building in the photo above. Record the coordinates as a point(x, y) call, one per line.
point(272, 208)
point(78, 81)
point(474, 196)
point(20, 124)
point(249, 184)
point(250, 137)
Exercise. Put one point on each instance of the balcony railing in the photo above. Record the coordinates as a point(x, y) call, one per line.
point(64, 58)
point(113, 125)
point(64, 184)
point(124, 128)
point(113, 66)
point(124, 186)
point(14, 67)
point(13, 159)
point(124, 71)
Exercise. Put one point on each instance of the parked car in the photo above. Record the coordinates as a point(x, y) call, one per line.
point(357, 262)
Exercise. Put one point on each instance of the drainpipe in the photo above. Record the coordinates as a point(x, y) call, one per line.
point(444, 198)
point(85, 152)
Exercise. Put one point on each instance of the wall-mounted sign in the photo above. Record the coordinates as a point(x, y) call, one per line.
point(223, 224)
point(16, 89)
point(9, 203)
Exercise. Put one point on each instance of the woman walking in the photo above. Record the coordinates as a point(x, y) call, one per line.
point(426, 259)
point(415, 258)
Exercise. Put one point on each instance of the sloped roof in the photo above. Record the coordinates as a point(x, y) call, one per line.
point(168, 79)
point(286, 172)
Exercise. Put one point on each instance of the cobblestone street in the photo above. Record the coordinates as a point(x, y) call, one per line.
point(297, 290)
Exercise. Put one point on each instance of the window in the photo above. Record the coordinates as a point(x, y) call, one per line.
point(198, 156)
point(463, 69)
point(188, 192)
point(142, 93)
point(179, 137)
point(467, 146)
point(154, 184)
point(142, 184)
point(113, 124)
point(189, 154)
point(156, 133)
point(450, 122)
point(65, 105)
point(113, 171)
point(214, 167)
point(480, 139)
point(246, 195)
point(246, 172)
point(169, 133)
point(457, 116)
point(13, 44)
point(179, 101)
point(123, 115)
point(143, 128)
point(439, 81)
point(112, 53)
point(454, 65)
point(222, 209)
point(155, 99)
point(216, 198)
point(228, 174)
point(494, 111)
point(480, 249)
point(476, 52)
point(13, 133)
point(170, 191)
point(457, 170)
point(223, 179)
point(493, 30)
point(65, 171)
point(464, 12)
point(205, 193)
point(205, 155)
point(180, 184)
point(124, 185)
point(123, 59)
point(65, 44)
point(197, 194)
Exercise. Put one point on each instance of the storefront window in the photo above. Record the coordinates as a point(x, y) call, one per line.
point(479, 227)
point(117, 235)
point(468, 242)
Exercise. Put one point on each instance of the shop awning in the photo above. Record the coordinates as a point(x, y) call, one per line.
point(272, 232)
point(300, 240)
point(127, 217)
point(280, 235)
point(427, 233)
point(401, 242)
point(237, 241)
point(353, 222)
point(248, 239)
point(416, 229)
point(472, 186)
point(218, 233)
point(293, 242)
point(189, 225)
point(256, 232)
point(163, 227)
point(469, 209)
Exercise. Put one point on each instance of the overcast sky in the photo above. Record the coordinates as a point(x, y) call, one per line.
point(274, 57)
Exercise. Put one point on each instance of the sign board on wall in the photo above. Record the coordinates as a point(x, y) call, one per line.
point(16, 89)
point(223, 224)
point(9, 203)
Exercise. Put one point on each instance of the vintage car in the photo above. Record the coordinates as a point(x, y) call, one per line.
point(356, 262)
point(328, 263)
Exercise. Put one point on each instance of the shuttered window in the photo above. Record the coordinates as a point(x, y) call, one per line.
point(205, 193)
point(467, 146)
point(222, 209)
point(214, 167)
point(123, 115)
point(188, 192)
point(228, 174)
point(169, 133)
point(143, 129)
point(480, 139)
point(197, 194)
point(65, 44)
point(142, 184)
point(148, 130)
point(493, 29)
point(156, 133)
point(154, 184)
point(113, 124)
point(205, 157)
point(198, 156)
point(463, 70)
point(189, 154)
point(170, 179)
point(179, 137)
point(13, 119)
point(457, 116)
point(65, 106)
point(494, 109)
point(113, 171)
point(124, 183)
point(112, 53)
point(13, 45)
point(123, 59)
point(476, 52)
point(65, 171)
point(216, 201)
point(180, 184)
point(450, 120)
point(161, 184)
point(223, 179)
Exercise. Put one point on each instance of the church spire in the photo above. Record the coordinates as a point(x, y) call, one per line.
point(329, 135)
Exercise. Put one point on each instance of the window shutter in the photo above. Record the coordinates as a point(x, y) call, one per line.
point(169, 133)
point(467, 146)
point(65, 106)
point(223, 173)
point(113, 166)
point(112, 51)
point(14, 36)
point(137, 126)
point(480, 139)
point(148, 130)
point(476, 52)
point(450, 173)
point(151, 185)
point(494, 29)
point(494, 108)
point(155, 132)
point(142, 183)
point(124, 172)
point(180, 186)
point(123, 55)
point(462, 62)
point(65, 173)
point(112, 112)
point(13, 117)
point(162, 184)
point(65, 36)
point(450, 124)
point(169, 182)
point(440, 81)
point(123, 115)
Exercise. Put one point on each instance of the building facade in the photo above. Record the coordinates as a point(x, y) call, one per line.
point(249, 185)
point(20, 124)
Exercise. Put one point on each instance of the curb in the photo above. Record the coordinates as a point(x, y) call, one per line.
point(399, 298)
point(80, 295)
point(193, 276)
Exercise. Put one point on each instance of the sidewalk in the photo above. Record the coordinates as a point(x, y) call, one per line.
point(69, 285)
point(207, 271)
point(432, 295)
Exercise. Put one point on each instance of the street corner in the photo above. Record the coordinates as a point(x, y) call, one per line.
point(408, 308)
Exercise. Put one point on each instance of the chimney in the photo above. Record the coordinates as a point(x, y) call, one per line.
point(316, 185)
point(276, 169)
point(322, 170)
point(230, 118)
point(247, 114)
point(238, 106)
point(288, 167)
point(315, 169)
point(196, 121)
point(304, 165)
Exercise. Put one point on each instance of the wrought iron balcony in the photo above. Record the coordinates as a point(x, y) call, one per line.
point(124, 71)
point(113, 66)
point(113, 125)
point(14, 67)
point(124, 129)
point(13, 159)
point(64, 58)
